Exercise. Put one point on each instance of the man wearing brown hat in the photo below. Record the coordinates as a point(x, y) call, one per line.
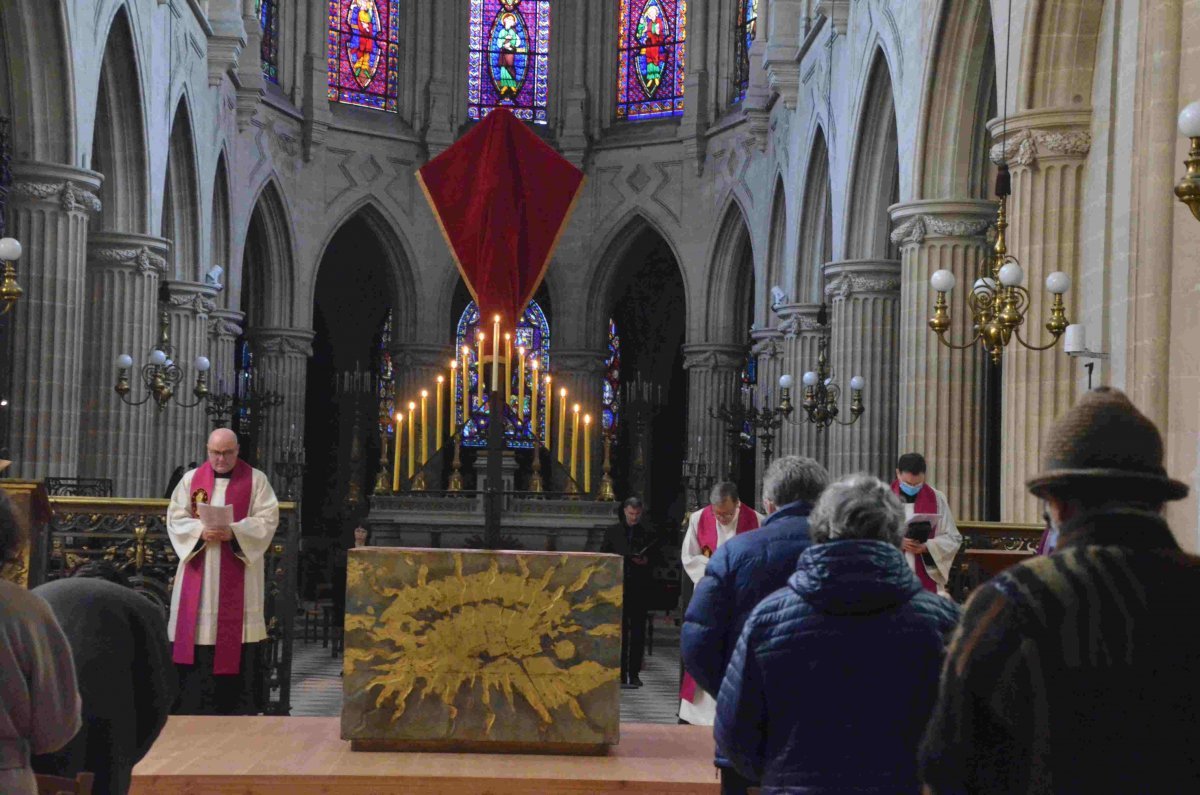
point(1079, 672)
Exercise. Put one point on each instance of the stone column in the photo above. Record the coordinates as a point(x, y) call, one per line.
point(122, 279)
point(180, 433)
point(768, 351)
point(942, 409)
point(864, 310)
point(281, 362)
point(801, 338)
point(49, 209)
point(581, 371)
point(1046, 152)
point(712, 370)
point(224, 328)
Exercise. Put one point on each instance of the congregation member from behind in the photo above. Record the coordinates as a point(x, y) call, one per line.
point(835, 675)
point(39, 700)
point(1076, 672)
point(127, 682)
point(744, 570)
point(217, 601)
point(929, 550)
point(708, 529)
point(634, 539)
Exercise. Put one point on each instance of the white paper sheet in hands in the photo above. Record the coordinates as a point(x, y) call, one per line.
point(215, 515)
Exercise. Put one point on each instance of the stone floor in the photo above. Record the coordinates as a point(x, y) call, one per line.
point(317, 685)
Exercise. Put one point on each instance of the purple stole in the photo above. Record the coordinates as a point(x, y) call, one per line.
point(231, 599)
point(706, 536)
point(926, 502)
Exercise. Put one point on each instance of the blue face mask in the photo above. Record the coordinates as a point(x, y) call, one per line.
point(911, 491)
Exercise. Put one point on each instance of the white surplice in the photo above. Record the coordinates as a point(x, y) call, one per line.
point(944, 544)
point(254, 534)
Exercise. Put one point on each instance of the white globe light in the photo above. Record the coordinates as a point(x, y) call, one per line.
point(202, 364)
point(157, 358)
point(810, 378)
point(1189, 121)
point(170, 363)
point(828, 381)
point(857, 383)
point(124, 361)
point(943, 281)
point(1058, 282)
point(1012, 274)
point(987, 284)
point(786, 381)
point(10, 249)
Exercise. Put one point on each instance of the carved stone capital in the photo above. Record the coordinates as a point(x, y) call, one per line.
point(914, 230)
point(191, 296)
point(142, 259)
point(67, 195)
point(414, 356)
point(588, 362)
point(855, 277)
point(282, 341)
point(713, 356)
point(768, 343)
point(798, 319)
point(1025, 147)
point(225, 324)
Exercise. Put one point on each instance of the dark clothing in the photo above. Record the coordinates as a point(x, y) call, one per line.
point(118, 639)
point(1076, 672)
point(745, 569)
point(631, 542)
point(835, 675)
point(201, 692)
point(734, 783)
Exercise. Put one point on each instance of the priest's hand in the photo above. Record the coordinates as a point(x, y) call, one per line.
point(914, 547)
point(216, 534)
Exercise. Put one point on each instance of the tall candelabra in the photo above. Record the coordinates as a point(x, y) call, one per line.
point(696, 479)
point(745, 422)
point(290, 466)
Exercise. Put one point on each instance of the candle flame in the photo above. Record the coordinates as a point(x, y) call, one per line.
point(563, 392)
point(520, 349)
point(412, 406)
point(399, 417)
point(424, 393)
point(454, 364)
point(481, 336)
point(507, 336)
point(575, 408)
point(466, 350)
point(441, 380)
point(535, 366)
point(496, 319)
point(587, 419)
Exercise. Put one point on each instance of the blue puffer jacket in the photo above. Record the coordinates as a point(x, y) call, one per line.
point(835, 676)
point(745, 569)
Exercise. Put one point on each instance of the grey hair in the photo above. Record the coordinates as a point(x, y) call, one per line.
point(725, 490)
point(857, 507)
point(793, 478)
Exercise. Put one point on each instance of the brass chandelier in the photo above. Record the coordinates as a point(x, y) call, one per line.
point(998, 302)
point(821, 394)
point(10, 291)
point(161, 375)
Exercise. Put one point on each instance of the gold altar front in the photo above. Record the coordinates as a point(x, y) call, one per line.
point(482, 650)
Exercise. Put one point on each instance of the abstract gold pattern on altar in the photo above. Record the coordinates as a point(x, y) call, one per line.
point(482, 650)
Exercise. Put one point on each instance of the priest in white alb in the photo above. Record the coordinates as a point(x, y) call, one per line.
point(931, 559)
point(723, 518)
point(217, 601)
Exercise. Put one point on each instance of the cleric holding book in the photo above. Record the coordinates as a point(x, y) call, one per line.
point(217, 601)
point(929, 556)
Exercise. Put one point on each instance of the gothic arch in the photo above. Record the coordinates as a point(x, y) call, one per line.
point(816, 223)
point(448, 293)
point(1058, 52)
point(268, 264)
point(219, 249)
point(119, 135)
point(777, 269)
point(730, 300)
point(36, 80)
point(875, 169)
point(398, 263)
point(606, 269)
point(181, 198)
point(959, 99)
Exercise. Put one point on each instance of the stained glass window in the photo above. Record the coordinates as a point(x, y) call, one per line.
point(363, 53)
point(385, 379)
point(268, 20)
point(611, 401)
point(243, 388)
point(509, 60)
point(651, 35)
point(747, 28)
point(533, 334)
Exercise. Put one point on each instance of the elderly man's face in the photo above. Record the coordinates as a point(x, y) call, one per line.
point(725, 510)
point(632, 515)
point(222, 452)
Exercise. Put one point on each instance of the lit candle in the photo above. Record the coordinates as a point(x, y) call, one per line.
point(412, 439)
point(437, 440)
point(562, 422)
point(546, 416)
point(587, 453)
point(479, 369)
point(508, 368)
point(396, 461)
point(520, 383)
point(575, 444)
point(466, 384)
point(424, 426)
point(495, 353)
point(533, 399)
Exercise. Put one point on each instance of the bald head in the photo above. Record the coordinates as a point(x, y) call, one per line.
point(222, 450)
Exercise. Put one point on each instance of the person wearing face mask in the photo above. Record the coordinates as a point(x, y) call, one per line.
point(931, 560)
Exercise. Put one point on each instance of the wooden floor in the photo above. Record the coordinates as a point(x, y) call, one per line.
point(305, 756)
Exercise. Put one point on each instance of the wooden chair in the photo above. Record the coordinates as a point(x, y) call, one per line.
point(57, 785)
